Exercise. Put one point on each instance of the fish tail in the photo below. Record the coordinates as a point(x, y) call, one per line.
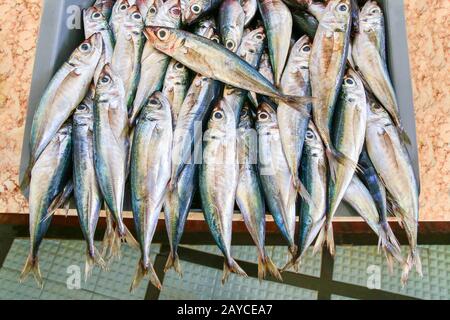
point(173, 261)
point(412, 260)
point(32, 266)
point(111, 245)
point(231, 266)
point(265, 264)
point(404, 136)
point(143, 271)
point(388, 240)
point(129, 238)
point(93, 258)
point(293, 259)
point(320, 241)
point(330, 239)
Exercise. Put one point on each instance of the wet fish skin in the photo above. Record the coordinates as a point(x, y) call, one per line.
point(276, 178)
point(176, 85)
point(249, 196)
point(118, 16)
point(231, 23)
point(306, 22)
point(393, 164)
point(149, 176)
point(250, 7)
point(88, 197)
point(154, 64)
point(63, 94)
point(218, 181)
point(327, 66)
point(105, 6)
point(293, 124)
point(374, 26)
point(278, 25)
point(316, 8)
point(205, 27)
point(210, 59)
point(126, 59)
point(348, 137)
point(192, 10)
point(48, 179)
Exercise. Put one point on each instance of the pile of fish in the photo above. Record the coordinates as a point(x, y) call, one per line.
point(284, 105)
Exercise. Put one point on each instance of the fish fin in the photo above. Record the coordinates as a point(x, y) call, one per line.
point(404, 136)
point(293, 259)
point(412, 260)
point(293, 263)
point(93, 258)
point(320, 241)
point(141, 273)
point(336, 157)
point(330, 239)
point(111, 245)
point(129, 239)
point(26, 179)
point(303, 192)
point(390, 246)
point(109, 234)
point(231, 266)
point(173, 261)
point(265, 264)
point(32, 266)
point(62, 200)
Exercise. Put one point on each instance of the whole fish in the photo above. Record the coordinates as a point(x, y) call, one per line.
point(292, 123)
point(96, 22)
point(176, 85)
point(327, 66)
point(278, 24)
point(391, 160)
point(111, 149)
point(218, 181)
point(105, 6)
point(305, 22)
point(126, 60)
point(231, 24)
point(192, 10)
point(348, 138)
point(48, 179)
point(150, 174)
point(250, 7)
point(118, 16)
point(63, 94)
point(249, 196)
point(88, 197)
point(359, 197)
point(372, 65)
point(276, 178)
point(212, 60)
point(154, 63)
point(250, 50)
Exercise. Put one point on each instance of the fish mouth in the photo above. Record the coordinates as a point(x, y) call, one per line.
point(150, 33)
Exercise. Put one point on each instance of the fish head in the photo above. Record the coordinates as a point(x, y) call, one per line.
point(353, 87)
point(158, 109)
point(120, 9)
point(337, 15)
point(313, 142)
point(164, 13)
point(265, 68)
point(88, 52)
point(109, 85)
point(144, 6)
point(104, 5)
point(301, 51)
point(245, 117)
point(266, 117)
point(64, 133)
point(166, 40)
point(176, 72)
point(222, 118)
point(84, 113)
point(371, 17)
point(134, 22)
point(94, 20)
point(194, 9)
point(206, 27)
point(252, 45)
point(231, 37)
point(377, 113)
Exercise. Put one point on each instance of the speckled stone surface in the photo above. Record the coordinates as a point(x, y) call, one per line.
point(428, 26)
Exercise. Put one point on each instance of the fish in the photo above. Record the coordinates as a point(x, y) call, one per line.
point(372, 65)
point(192, 10)
point(231, 24)
point(88, 197)
point(144, 6)
point(126, 59)
point(48, 179)
point(212, 60)
point(218, 181)
point(327, 67)
point(111, 150)
point(205, 27)
point(278, 24)
point(250, 51)
point(96, 22)
point(316, 8)
point(249, 195)
point(176, 85)
point(250, 7)
point(305, 22)
point(63, 94)
point(265, 69)
point(154, 64)
point(105, 6)
point(118, 16)
point(149, 176)
point(393, 165)
point(293, 124)
point(359, 197)
point(275, 175)
point(349, 130)
point(368, 175)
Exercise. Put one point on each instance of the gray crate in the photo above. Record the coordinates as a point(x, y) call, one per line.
point(56, 42)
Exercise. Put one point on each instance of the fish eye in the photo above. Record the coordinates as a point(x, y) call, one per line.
point(218, 115)
point(175, 11)
point(349, 81)
point(153, 102)
point(215, 39)
point(85, 47)
point(259, 36)
point(82, 107)
point(230, 44)
point(152, 10)
point(105, 79)
point(163, 34)
point(263, 116)
point(343, 7)
point(123, 7)
point(196, 9)
point(376, 106)
point(375, 11)
point(179, 66)
point(244, 113)
point(97, 15)
point(306, 48)
point(310, 135)
point(137, 16)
